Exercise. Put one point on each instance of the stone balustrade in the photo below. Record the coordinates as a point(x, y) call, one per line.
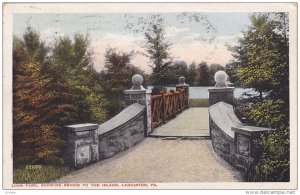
point(231, 139)
point(89, 143)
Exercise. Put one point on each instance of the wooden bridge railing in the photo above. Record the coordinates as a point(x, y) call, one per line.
point(166, 105)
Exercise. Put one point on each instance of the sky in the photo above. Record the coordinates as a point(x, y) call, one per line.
point(107, 30)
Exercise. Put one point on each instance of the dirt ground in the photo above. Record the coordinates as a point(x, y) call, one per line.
point(157, 160)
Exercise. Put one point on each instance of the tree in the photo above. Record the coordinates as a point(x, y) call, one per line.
point(178, 69)
point(230, 69)
point(262, 56)
point(262, 63)
point(203, 74)
point(117, 77)
point(192, 72)
point(71, 64)
point(40, 105)
point(157, 48)
point(213, 68)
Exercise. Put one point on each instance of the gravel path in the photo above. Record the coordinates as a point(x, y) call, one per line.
point(157, 160)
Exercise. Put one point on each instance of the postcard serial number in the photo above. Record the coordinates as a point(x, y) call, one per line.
point(33, 167)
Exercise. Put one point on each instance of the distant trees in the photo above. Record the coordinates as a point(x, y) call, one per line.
point(157, 46)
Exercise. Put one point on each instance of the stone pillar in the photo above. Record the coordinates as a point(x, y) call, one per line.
point(183, 85)
point(81, 146)
point(247, 149)
point(221, 92)
point(138, 94)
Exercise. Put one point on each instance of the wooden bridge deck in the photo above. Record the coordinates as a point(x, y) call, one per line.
point(192, 122)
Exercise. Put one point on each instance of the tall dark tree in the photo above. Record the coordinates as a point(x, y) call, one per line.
point(230, 69)
point(117, 77)
point(190, 79)
point(213, 68)
point(158, 48)
point(179, 68)
point(203, 74)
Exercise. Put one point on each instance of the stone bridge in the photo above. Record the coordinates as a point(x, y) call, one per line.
point(231, 140)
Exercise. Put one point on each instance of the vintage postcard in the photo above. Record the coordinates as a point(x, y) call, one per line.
point(150, 96)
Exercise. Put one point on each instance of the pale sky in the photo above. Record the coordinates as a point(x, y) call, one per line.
point(108, 30)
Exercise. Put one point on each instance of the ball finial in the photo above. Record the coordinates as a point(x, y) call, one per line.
point(137, 81)
point(182, 80)
point(221, 78)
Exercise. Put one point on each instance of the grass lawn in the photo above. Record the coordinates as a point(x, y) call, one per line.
point(199, 102)
point(41, 174)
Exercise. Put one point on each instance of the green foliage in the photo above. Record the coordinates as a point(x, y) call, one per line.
point(263, 57)
point(266, 113)
point(50, 91)
point(190, 79)
point(213, 68)
point(157, 47)
point(116, 78)
point(230, 69)
point(40, 108)
point(262, 64)
point(46, 173)
point(204, 76)
point(274, 164)
point(72, 65)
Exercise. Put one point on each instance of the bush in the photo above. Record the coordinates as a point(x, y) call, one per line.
point(273, 165)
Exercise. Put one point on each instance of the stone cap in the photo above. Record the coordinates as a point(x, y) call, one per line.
point(136, 91)
point(249, 130)
point(129, 113)
point(221, 89)
point(224, 117)
point(83, 127)
point(182, 85)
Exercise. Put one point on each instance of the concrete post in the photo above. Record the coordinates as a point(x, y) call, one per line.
point(183, 85)
point(138, 94)
point(221, 92)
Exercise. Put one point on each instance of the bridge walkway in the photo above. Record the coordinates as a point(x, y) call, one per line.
point(191, 123)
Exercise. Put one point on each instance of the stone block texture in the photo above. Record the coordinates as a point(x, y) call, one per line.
point(233, 141)
point(122, 132)
point(89, 143)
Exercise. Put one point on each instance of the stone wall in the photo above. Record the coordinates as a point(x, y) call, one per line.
point(233, 141)
point(122, 132)
point(89, 143)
